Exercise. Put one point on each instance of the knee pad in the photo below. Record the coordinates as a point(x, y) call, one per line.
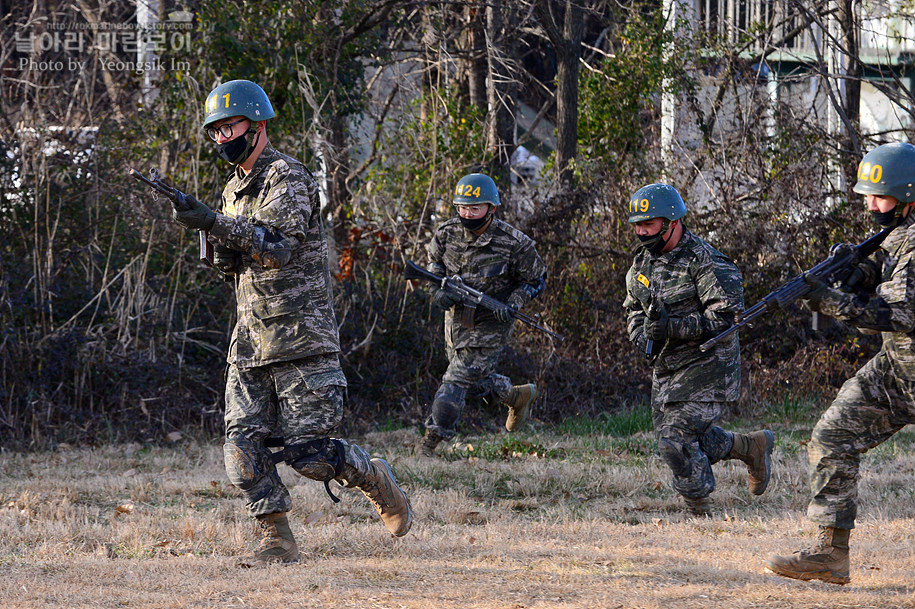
point(321, 459)
point(447, 407)
point(692, 471)
point(246, 462)
point(675, 457)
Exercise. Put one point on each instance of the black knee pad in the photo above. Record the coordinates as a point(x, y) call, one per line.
point(321, 459)
point(246, 462)
point(675, 456)
point(448, 405)
point(692, 471)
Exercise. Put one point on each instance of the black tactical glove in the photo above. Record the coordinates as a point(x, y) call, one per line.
point(191, 213)
point(444, 299)
point(226, 259)
point(818, 291)
point(656, 329)
point(864, 277)
point(505, 314)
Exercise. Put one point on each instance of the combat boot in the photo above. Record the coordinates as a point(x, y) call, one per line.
point(428, 443)
point(699, 506)
point(390, 500)
point(755, 449)
point(277, 543)
point(826, 561)
point(518, 401)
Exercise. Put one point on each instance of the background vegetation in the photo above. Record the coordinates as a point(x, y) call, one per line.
point(110, 330)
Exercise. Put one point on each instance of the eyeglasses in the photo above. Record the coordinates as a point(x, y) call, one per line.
point(474, 208)
point(225, 130)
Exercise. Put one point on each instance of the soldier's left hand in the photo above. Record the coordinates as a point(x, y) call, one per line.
point(191, 213)
point(506, 313)
point(818, 290)
point(656, 329)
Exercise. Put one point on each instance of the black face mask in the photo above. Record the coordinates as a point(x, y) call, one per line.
point(655, 243)
point(885, 219)
point(237, 150)
point(476, 224)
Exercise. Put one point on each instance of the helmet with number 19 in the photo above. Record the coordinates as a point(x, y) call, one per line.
point(656, 201)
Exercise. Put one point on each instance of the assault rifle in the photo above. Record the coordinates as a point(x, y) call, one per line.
point(155, 182)
point(470, 297)
point(837, 267)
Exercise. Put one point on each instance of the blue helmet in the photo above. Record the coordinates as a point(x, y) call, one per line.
point(237, 98)
point(888, 170)
point(475, 188)
point(656, 201)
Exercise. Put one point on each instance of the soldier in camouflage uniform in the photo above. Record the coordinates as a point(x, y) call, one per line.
point(679, 292)
point(284, 382)
point(502, 262)
point(879, 296)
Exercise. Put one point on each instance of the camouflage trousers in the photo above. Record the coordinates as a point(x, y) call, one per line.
point(299, 401)
point(869, 408)
point(690, 442)
point(471, 371)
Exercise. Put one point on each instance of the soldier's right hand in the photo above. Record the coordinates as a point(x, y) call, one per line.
point(444, 299)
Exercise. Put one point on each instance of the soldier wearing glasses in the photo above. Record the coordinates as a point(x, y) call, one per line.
point(284, 378)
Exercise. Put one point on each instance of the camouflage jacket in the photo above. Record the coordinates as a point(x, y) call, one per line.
point(283, 294)
point(703, 293)
point(502, 263)
point(891, 310)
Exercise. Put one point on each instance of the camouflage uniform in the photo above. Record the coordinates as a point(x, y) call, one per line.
point(284, 377)
point(703, 292)
point(880, 399)
point(502, 263)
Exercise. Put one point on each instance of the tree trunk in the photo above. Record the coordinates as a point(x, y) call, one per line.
point(477, 67)
point(500, 120)
point(566, 40)
point(337, 171)
point(852, 99)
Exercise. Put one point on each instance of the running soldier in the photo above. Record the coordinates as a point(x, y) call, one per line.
point(680, 291)
point(879, 399)
point(284, 383)
point(502, 262)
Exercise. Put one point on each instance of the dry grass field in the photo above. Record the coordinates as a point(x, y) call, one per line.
point(544, 518)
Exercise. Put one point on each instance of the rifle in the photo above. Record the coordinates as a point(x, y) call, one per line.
point(469, 296)
point(840, 263)
point(654, 314)
point(158, 186)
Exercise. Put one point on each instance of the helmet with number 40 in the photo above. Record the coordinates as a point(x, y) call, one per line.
point(888, 170)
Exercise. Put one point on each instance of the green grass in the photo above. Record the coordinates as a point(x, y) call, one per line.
point(618, 424)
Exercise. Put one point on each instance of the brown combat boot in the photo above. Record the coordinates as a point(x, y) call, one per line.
point(826, 561)
point(518, 401)
point(390, 500)
point(277, 543)
point(428, 443)
point(700, 506)
point(755, 449)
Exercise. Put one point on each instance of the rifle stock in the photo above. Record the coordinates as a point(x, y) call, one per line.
point(841, 260)
point(470, 296)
